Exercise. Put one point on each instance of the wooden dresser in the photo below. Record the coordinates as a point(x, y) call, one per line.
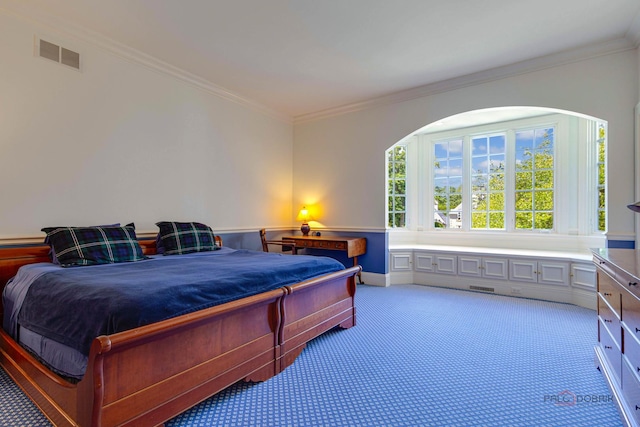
point(618, 349)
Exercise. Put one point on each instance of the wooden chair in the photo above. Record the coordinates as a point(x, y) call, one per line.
point(287, 246)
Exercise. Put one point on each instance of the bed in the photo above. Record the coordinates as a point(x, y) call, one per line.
point(141, 376)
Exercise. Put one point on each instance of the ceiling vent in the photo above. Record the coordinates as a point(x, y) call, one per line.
point(57, 53)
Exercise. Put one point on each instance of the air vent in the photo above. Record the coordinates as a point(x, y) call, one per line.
point(70, 58)
point(481, 288)
point(49, 50)
point(57, 53)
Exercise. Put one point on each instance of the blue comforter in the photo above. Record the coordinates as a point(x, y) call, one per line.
point(75, 305)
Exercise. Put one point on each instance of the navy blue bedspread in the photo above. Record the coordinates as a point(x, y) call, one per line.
point(75, 305)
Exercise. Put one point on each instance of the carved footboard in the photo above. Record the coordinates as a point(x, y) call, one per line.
point(148, 375)
point(313, 307)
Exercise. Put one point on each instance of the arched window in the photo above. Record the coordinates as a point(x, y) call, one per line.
point(517, 171)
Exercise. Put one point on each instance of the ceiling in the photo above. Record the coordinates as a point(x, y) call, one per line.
point(300, 57)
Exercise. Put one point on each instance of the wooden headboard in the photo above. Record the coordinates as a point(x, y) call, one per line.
point(12, 258)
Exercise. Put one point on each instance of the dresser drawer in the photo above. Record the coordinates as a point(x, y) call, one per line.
point(610, 320)
point(330, 245)
point(628, 281)
point(631, 312)
point(631, 349)
point(631, 388)
point(610, 290)
point(611, 351)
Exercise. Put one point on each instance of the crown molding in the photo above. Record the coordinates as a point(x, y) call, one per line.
point(523, 67)
point(132, 55)
point(631, 40)
point(633, 34)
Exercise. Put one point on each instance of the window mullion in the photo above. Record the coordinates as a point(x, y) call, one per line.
point(510, 181)
point(466, 183)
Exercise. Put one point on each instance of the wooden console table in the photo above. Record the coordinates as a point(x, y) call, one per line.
point(353, 246)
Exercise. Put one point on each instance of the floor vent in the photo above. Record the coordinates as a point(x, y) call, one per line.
point(481, 288)
point(57, 53)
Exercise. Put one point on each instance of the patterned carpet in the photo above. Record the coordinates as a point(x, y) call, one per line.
point(419, 356)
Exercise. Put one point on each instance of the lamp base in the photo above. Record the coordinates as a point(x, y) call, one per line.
point(305, 229)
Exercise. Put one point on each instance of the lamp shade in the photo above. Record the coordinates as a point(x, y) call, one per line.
point(304, 216)
point(635, 207)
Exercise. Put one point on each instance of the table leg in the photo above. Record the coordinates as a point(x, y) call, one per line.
point(355, 262)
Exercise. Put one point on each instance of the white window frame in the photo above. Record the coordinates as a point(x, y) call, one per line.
point(575, 146)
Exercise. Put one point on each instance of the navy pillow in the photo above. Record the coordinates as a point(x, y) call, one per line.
point(76, 246)
point(177, 238)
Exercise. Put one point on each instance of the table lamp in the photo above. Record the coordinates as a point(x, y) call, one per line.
point(305, 218)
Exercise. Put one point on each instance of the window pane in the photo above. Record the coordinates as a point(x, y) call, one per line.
point(496, 144)
point(488, 155)
point(524, 141)
point(496, 181)
point(524, 180)
point(479, 220)
point(447, 183)
point(496, 220)
point(524, 201)
point(543, 221)
point(543, 200)
point(602, 177)
point(544, 179)
point(478, 182)
point(396, 187)
point(479, 146)
point(534, 178)
point(496, 163)
point(496, 201)
point(601, 198)
point(479, 165)
point(399, 220)
point(524, 220)
point(543, 160)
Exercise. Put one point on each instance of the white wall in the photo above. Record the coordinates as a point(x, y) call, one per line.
point(339, 161)
point(120, 142)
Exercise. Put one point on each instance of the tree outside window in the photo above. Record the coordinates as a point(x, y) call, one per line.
point(534, 189)
point(397, 186)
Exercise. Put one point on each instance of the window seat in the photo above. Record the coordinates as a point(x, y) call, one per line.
point(561, 276)
point(568, 255)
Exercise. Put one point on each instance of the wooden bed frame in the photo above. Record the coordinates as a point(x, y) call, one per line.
point(148, 375)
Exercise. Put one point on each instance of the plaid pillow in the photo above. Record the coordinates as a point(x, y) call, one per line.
point(52, 252)
point(94, 245)
point(185, 237)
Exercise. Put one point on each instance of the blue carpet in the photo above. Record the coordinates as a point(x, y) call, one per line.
point(419, 356)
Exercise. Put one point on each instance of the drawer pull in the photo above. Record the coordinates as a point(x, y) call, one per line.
point(637, 330)
point(633, 283)
point(606, 294)
point(609, 321)
point(608, 347)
